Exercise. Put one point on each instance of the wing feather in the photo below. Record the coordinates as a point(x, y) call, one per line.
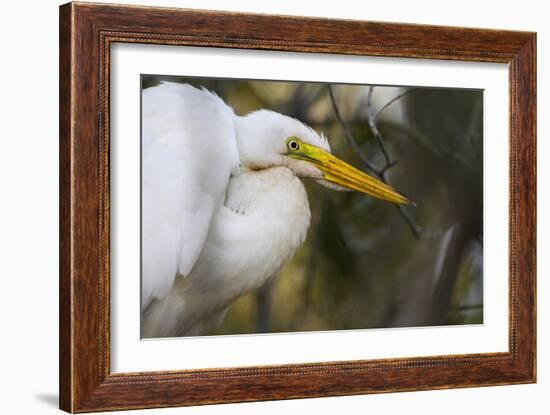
point(188, 152)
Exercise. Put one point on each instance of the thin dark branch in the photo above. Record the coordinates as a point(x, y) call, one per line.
point(390, 102)
point(372, 124)
point(418, 231)
point(407, 217)
point(263, 302)
point(389, 166)
point(369, 98)
point(349, 138)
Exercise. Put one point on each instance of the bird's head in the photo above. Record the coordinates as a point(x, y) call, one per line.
point(269, 139)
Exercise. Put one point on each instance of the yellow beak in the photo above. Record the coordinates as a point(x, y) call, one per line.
point(343, 174)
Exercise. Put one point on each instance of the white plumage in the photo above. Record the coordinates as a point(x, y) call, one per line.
point(189, 155)
point(189, 151)
point(222, 204)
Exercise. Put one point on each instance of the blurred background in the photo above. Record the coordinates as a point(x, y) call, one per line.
point(367, 263)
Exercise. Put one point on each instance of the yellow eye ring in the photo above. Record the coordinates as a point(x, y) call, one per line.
point(293, 145)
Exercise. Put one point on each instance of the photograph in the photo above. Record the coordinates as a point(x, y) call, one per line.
point(283, 206)
point(258, 204)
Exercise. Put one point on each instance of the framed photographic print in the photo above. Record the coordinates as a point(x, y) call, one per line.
point(260, 207)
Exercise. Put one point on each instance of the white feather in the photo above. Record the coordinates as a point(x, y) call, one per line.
point(189, 151)
point(222, 205)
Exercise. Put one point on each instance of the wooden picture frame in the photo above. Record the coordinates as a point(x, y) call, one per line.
point(86, 33)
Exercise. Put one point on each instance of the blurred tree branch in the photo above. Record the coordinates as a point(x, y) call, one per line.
point(387, 104)
point(263, 302)
point(417, 230)
point(351, 141)
point(377, 135)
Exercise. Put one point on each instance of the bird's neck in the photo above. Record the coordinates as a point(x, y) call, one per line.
point(273, 203)
point(274, 193)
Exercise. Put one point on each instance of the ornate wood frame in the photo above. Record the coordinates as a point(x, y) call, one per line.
point(86, 33)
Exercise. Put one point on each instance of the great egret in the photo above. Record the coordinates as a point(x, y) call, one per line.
point(223, 206)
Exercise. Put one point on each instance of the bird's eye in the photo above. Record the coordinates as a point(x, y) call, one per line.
point(293, 145)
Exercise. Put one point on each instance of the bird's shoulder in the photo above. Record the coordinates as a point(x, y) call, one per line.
point(189, 150)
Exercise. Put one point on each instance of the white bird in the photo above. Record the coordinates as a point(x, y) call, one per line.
point(223, 206)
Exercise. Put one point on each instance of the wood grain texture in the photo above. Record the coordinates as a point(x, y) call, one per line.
point(65, 251)
point(86, 33)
